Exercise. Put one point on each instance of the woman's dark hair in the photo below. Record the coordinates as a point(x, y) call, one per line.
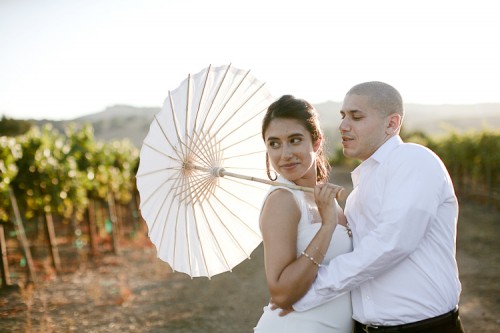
point(289, 107)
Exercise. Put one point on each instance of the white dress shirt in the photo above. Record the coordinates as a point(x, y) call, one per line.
point(403, 214)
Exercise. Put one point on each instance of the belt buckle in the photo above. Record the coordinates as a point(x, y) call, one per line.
point(367, 328)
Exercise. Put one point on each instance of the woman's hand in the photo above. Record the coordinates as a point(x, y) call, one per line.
point(324, 195)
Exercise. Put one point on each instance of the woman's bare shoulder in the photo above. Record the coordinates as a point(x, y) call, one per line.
point(280, 205)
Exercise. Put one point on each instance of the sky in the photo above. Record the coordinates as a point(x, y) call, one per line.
point(62, 59)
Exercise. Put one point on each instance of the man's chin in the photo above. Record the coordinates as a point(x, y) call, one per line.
point(348, 153)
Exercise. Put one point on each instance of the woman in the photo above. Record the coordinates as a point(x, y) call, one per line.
point(301, 230)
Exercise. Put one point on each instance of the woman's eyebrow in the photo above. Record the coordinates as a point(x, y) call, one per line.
point(289, 136)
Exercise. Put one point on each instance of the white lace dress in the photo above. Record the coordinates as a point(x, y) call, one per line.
point(334, 316)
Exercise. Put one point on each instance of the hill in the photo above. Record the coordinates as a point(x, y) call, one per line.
point(123, 121)
point(115, 122)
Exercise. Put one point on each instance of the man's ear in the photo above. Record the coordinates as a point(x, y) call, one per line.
point(394, 124)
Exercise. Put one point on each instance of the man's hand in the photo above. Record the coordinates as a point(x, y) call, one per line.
point(283, 312)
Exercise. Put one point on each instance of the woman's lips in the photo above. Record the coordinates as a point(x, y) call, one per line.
point(289, 166)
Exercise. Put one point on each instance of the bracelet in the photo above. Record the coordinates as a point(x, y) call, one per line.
point(311, 258)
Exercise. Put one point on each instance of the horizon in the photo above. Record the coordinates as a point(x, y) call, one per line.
point(66, 60)
point(494, 112)
point(118, 105)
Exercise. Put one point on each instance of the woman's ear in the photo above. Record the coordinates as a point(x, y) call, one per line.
point(394, 124)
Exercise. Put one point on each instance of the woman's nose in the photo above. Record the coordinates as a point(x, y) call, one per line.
point(286, 152)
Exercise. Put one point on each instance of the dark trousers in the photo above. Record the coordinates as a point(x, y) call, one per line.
point(447, 323)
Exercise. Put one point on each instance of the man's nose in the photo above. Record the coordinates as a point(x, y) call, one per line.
point(344, 125)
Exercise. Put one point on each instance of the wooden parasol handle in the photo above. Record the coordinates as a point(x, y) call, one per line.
point(221, 172)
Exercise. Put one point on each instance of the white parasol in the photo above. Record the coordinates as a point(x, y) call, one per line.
point(204, 144)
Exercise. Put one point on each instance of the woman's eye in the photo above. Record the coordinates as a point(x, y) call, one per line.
point(273, 144)
point(295, 140)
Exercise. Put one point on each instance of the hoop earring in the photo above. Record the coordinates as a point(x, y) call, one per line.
point(268, 171)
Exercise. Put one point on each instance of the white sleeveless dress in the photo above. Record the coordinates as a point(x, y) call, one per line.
point(332, 317)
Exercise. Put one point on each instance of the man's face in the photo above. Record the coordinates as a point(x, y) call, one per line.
point(363, 128)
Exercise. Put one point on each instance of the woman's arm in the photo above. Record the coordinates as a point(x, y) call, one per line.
point(289, 277)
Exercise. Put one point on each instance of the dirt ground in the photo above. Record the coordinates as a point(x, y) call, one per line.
point(136, 292)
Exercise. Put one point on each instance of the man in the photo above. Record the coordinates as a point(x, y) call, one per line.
point(403, 212)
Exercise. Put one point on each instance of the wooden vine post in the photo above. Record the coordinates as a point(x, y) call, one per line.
point(92, 228)
point(3, 258)
point(51, 236)
point(21, 236)
point(114, 222)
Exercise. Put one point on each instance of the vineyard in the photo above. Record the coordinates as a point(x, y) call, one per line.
point(67, 199)
point(67, 196)
point(63, 197)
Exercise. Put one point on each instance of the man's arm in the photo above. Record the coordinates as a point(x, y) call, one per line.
point(407, 202)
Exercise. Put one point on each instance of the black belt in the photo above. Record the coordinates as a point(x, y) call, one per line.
point(449, 317)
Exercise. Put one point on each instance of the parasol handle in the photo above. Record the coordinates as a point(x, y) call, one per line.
point(221, 172)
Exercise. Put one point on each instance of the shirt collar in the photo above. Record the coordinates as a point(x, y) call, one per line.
point(377, 157)
point(385, 149)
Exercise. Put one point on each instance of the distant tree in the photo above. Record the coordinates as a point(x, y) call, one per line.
point(14, 127)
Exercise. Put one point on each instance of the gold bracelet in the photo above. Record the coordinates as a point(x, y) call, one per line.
point(311, 258)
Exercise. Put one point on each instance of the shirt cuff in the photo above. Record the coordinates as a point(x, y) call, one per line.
point(313, 297)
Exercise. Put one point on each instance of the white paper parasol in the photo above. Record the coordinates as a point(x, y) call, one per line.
point(202, 218)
